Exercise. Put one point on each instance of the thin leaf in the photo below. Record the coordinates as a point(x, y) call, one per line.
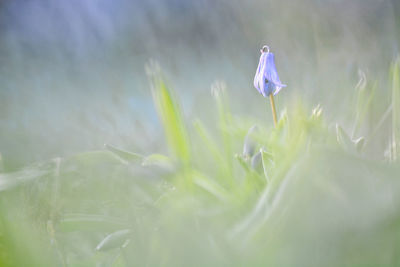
point(343, 138)
point(159, 160)
point(96, 158)
point(359, 143)
point(114, 240)
point(395, 108)
point(89, 222)
point(218, 90)
point(243, 162)
point(347, 142)
point(171, 117)
point(266, 159)
point(126, 155)
point(364, 101)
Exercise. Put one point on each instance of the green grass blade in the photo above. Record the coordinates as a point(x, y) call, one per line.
point(160, 161)
point(395, 108)
point(171, 117)
point(364, 103)
point(266, 160)
point(126, 155)
point(218, 90)
point(89, 222)
point(114, 240)
point(96, 157)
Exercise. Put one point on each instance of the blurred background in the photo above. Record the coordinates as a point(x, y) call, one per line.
point(72, 73)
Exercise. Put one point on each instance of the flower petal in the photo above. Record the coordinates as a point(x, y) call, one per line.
point(266, 79)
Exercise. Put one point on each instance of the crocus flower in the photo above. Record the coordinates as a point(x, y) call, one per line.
point(266, 80)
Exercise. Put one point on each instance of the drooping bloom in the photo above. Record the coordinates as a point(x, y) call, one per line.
point(266, 80)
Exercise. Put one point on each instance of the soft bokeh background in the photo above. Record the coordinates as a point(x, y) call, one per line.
point(194, 171)
point(72, 73)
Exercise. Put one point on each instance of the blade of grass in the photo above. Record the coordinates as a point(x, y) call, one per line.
point(160, 161)
point(89, 222)
point(126, 155)
point(225, 120)
point(363, 106)
point(115, 240)
point(384, 117)
point(395, 107)
point(265, 157)
point(170, 115)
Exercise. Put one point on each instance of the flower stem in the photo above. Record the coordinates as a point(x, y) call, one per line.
point(271, 98)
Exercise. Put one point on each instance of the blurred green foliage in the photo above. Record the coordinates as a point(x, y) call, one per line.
point(198, 178)
point(300, 194)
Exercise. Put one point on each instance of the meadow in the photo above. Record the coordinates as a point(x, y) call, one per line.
point(215, 183)
point(299, 194)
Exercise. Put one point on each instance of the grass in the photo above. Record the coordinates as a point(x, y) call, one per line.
point(300, 194)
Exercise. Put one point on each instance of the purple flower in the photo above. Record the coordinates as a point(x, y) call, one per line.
point(266, 80)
